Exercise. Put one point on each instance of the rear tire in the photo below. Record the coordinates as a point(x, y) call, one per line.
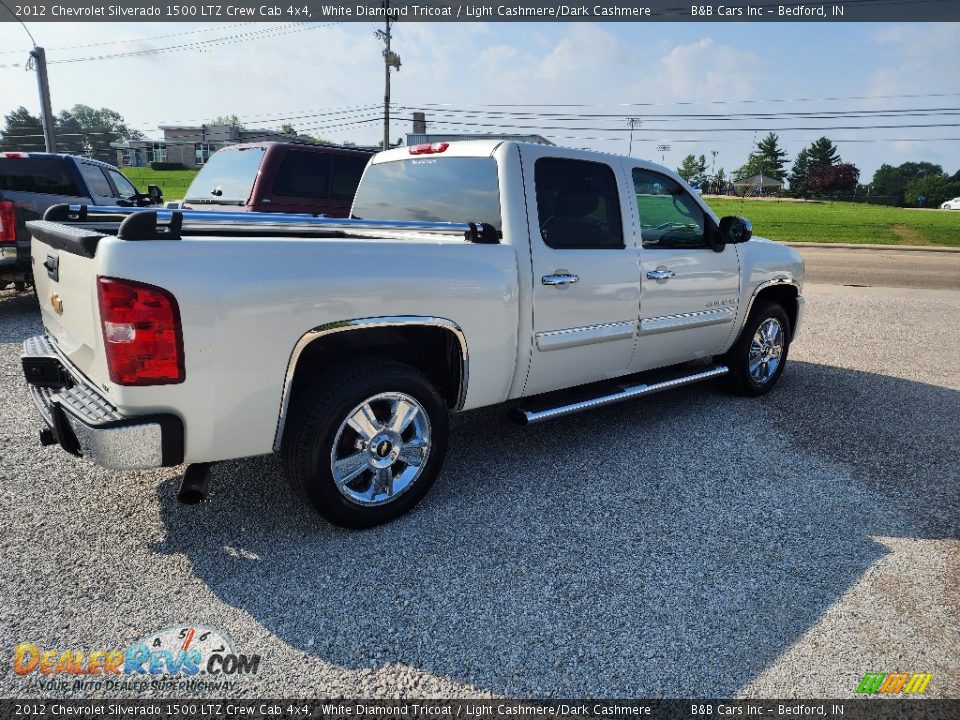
point(364, 442)
point(758, 356)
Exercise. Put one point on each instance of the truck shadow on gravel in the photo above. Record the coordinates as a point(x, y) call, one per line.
point(669, 547)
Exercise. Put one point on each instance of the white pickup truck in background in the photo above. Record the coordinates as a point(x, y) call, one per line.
point(472, 274)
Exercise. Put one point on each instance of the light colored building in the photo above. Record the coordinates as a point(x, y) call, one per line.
point(190, 145)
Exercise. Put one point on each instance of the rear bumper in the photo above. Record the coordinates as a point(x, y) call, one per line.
point(84, 423)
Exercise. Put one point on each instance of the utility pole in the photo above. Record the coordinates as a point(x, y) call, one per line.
point(664, 149)
point(633, 122)
point(390, 60)
point(38, 57)
point(38, 60)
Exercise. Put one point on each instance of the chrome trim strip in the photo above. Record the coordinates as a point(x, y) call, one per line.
point(587, 335)
point(361, 324)
point(683, 321)
point(529, 417)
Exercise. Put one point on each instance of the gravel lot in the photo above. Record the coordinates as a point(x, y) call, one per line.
point(690, 544)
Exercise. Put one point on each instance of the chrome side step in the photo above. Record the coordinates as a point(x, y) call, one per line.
point(529, 417)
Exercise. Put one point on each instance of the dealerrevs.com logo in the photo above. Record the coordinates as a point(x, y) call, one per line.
point(894, 683)
point(182, 657)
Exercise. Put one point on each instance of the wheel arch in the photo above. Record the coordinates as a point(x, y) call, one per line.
point(784, 291)
point(435, 346)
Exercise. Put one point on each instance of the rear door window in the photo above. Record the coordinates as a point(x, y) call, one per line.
point(53, 176)
point(578, 204)
point(227, 177)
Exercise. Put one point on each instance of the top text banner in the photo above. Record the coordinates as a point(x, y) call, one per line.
point(505, 11)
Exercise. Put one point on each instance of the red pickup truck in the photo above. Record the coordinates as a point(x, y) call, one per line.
point(279, 177)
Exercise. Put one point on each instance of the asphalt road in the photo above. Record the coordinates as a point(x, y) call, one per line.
point(692, 543)
point(882, 268)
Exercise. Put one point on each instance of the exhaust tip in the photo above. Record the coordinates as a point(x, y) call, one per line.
point(194, 485)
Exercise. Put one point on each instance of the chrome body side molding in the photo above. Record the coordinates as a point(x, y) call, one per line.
point(363, 324)
point(574, 337)
point(667, 323)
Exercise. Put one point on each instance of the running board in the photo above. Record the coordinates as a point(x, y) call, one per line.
point(529, 417)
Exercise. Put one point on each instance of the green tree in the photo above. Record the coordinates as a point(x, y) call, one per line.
point(84, 130)
point(893, 181)
point(800, 173)
point(720, 182)
point(231, 120)
point(823, 152)
point(688, 168)
point(935, 188)
point(768, 159)
point(22, 131)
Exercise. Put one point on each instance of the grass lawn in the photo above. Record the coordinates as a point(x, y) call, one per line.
point(844, 222)
point(174, 183)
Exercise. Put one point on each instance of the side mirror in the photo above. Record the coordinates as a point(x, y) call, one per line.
point(155, 194)
point(735, 229)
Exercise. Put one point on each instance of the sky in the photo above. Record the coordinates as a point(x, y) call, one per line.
point(327, 79)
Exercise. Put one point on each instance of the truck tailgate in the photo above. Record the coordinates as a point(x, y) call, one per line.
point(65, 274)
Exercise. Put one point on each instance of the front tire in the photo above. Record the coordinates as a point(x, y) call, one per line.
point(758, 356)
point(365, 441)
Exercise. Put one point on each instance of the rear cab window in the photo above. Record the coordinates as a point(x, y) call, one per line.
point(431, 189)
point(227, 178)
point(48, 175)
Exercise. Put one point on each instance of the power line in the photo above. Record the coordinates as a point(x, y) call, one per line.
point(680, 103)
point(148, 38)
point(286, 29)
point(17, 18)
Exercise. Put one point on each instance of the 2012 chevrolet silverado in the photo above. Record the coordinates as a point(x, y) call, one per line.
point(469, 274)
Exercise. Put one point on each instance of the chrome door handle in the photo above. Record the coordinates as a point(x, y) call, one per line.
point(562, 279)
point(660, 274)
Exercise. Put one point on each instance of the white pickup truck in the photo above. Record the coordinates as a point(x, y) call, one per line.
point(470, 274)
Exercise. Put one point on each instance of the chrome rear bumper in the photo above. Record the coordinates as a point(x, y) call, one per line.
point(84, 423)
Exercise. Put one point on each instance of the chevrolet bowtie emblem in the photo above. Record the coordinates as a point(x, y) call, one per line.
point(56, 303)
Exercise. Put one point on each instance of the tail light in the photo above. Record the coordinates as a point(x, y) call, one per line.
point(8, 222)
point(141, 333)
point(429, 148)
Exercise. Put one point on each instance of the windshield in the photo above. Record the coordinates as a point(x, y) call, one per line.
point(453, 189)
point(227, 178)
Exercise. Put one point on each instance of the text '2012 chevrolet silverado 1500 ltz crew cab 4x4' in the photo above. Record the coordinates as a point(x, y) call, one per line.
point(470, 274)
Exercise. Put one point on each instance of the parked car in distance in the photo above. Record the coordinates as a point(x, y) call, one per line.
point(951, 204)
point(31, 182)
point(470, 274)
point(279, 177)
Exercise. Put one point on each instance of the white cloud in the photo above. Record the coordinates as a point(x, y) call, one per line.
point(706, 70)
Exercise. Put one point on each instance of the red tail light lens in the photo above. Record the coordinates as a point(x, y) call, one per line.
point(429, 148)
point(8, 223)
point(141, 333)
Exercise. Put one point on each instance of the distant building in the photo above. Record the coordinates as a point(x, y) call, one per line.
point(189, 145)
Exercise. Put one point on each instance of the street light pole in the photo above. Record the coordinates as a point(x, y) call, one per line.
point(633, 122)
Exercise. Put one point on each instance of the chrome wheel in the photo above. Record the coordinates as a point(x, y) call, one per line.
point(381, 448)
point(766, 350)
